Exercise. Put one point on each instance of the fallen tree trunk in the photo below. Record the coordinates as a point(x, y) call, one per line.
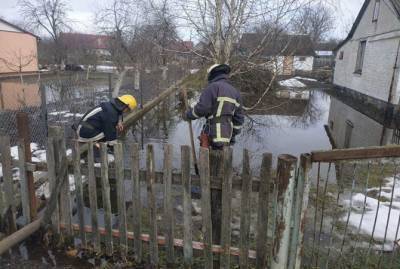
point(134, 116)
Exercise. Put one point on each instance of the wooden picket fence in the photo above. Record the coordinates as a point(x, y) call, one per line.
point(267, 246)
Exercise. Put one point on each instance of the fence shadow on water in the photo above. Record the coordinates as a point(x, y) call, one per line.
point(346, 217)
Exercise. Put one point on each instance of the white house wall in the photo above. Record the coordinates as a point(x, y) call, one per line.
point(380, 54)
point(6, 27)
point(306, 65)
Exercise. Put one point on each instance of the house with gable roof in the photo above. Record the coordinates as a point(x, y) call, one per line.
point(367, 61)
point(18, 49)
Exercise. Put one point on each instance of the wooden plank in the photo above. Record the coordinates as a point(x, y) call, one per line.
point(8, 182)
point(152, 205)
point(168, 205)
point(23, 182)
point(52, 167)
point(106, 199)
point(226, 208)
point(262, 216)
point(79, 192)
point(245, 212)
point(187, 207)
point(24, 134)
point(206, 206)
point(93, 199)
point(355, 153)
point(216, 182)
point(137, 204)
point(161, 241)
point(65, 194)
point(216, 167)
point(119, 166)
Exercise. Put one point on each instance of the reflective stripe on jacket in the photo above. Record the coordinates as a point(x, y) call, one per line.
point(100, 123)
point(221, 104)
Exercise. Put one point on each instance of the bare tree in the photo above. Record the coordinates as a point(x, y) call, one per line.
point(48, 16)
point(314, 20)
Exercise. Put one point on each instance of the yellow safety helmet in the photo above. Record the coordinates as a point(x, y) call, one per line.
point(128, 100)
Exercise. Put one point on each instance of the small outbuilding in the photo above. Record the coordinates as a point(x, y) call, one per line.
point(18, 50)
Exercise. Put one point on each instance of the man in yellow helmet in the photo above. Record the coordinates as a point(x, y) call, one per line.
point(101, 123)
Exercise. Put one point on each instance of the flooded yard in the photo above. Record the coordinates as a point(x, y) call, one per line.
point(294, 122)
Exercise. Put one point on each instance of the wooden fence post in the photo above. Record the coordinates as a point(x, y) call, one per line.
point(137, 204)
point(93, 199)
point(52, 173)
point(119, 167)
point(226, 208)
point(187, 207)
point(65, 194)
point(216, 195)
point(25, 134)
point(206, 206)
point(285, 182)
point(8, 183)
point(245, 211)
point(23, 182)
point(262, 215)
point(303, 191)
point(79, 192)
point(168, 205)
point(106, 199)
point(152, 205)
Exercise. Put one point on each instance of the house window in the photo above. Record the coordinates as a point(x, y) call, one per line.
point(302, 59)
point(360, 57)
point(396, 137)
point(376, 10)
point(348, 133)
point(341, 55)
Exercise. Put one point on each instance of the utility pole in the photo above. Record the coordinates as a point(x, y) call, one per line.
point(139, 86)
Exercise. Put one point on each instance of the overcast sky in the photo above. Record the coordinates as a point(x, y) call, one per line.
point(82, 13)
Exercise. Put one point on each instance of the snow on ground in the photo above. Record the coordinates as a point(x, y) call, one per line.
point(292, 83)
point(368, 220)
point(308, 79)
point(65, 114)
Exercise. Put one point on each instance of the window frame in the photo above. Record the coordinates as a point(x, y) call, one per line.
point(341, 55)
point(377, 9)
point(362, 47)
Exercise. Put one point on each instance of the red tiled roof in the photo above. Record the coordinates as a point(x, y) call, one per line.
point(77, 40)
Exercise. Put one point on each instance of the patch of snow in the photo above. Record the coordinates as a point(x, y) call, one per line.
point(292, 83)
point(303, 78)
point(383, 217)
point(324, 52)
point(56, 113)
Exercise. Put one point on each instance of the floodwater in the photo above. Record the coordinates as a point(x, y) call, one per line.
point(288, 124)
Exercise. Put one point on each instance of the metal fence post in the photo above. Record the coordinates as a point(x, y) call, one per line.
point(285, 182)
point(300, 207)
point(25, 135)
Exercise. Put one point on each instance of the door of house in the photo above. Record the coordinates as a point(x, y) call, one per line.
point(288, 65)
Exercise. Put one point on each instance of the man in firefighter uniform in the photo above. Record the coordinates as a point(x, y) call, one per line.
point(220, 103)
point(102, 123)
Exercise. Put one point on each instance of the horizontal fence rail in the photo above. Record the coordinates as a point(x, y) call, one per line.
point(331, 209)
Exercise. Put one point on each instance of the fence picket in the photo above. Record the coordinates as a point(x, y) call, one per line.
point(187, 207)
point(204, 163)
point(285, 181)
point(262, 216)
point(79, 192)
point(226, 208)
point(8, 182)
point(119, 166)
point(51, 172)
point(137, 204)
point(152, 205)
point(106, 199)
point(65, 194)
point(23, 182)
point(245, 211)
point(168, 205)
point(93, 199)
